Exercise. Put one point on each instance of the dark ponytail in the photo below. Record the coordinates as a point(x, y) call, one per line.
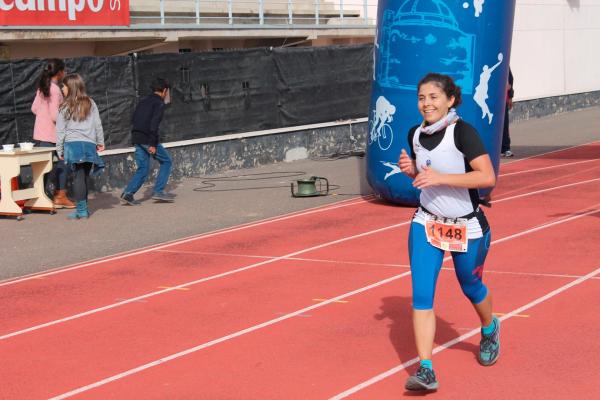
point(52, 68)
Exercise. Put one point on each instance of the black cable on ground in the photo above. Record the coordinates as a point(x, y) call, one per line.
point(211, 183)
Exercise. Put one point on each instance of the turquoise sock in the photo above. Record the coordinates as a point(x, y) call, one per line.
point(427, 364)
point(488, 330)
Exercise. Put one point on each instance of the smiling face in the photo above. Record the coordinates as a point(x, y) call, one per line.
point(433, 102)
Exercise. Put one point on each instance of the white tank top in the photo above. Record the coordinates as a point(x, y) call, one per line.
point(444, 200)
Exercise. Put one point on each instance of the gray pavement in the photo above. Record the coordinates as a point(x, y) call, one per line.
point(42, 242)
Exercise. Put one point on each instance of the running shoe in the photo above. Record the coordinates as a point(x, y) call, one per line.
point(127, 199)
point(489, 346)
point(164, 197)
point(422, 380)
point(508, 154)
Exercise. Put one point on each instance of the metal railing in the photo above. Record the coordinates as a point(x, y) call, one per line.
point(261, 13)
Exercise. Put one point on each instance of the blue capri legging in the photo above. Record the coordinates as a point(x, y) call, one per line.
point(426, 263)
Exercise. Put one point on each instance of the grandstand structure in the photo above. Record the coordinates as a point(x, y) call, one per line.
point(163, 26)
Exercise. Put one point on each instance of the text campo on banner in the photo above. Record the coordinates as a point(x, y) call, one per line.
point(64, 12)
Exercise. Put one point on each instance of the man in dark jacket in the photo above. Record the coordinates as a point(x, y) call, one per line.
point(146, 139)
point(505, 150)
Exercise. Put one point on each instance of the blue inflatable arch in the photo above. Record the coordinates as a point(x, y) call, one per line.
point(468, 40)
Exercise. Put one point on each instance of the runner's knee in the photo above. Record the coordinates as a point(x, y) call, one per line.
point(475, 292)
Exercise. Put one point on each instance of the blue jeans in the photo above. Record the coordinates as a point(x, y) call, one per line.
point(142, 160)
point(58, 175)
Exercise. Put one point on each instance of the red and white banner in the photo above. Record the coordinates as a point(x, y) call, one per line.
point(64, 12)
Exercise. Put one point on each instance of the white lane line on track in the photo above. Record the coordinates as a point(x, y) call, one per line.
point(145, 249)
point(371, 264)
point(206, 279)
point(541, 155)
point(221, 275)
point(303, 311)
point(328, 207)
point(461, 338)
point(546, 182)
point(545, 168)
point(317, 260)
point(544, 190)
point(225, 338)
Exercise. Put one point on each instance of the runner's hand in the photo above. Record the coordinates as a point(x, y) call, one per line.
point(152, 150)
point(427, 177)
point(406, 164)
point(99, 147)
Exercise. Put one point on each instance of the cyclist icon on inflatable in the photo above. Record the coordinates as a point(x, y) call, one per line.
point(379, 129)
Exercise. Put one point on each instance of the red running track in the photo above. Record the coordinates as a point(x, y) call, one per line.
point(316, 305)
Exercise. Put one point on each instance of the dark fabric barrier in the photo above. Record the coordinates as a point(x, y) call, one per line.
point(8, 130)
point(318, 84)
point(25, 75)
point(213, 93)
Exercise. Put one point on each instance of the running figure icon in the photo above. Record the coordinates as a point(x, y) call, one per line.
point(379, 128)
point(481, 91)
point(478, 5)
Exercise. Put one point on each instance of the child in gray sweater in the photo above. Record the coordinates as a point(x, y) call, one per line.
point(79, 138)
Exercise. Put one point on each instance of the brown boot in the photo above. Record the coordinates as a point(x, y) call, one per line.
point(61, 200)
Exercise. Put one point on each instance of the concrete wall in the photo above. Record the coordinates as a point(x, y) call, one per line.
point(214, 157)
point(555, 48)
point(47, 50)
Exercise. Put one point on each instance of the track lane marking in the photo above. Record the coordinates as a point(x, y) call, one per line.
point(301, 312)
point(127, 253)
point(541, 155)
point(499, 314)
point(339, 301)
point(549, 167)
point(327, 302)
point(372, 264)
point(195, 282)
point(317, 260)
point(545, 190)
point(461, 338)
point(200, 236)
point(231, 272)
point(547, 181)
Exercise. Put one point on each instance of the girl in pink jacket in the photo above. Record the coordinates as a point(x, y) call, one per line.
point(45, 107)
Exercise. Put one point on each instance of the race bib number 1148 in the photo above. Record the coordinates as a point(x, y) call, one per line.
point(446, 235)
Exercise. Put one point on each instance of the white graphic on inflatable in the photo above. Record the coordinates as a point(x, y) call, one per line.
point(395, 169)
point(481, 91)
point(477, 5)
point(423, 30)
point(379, 129)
